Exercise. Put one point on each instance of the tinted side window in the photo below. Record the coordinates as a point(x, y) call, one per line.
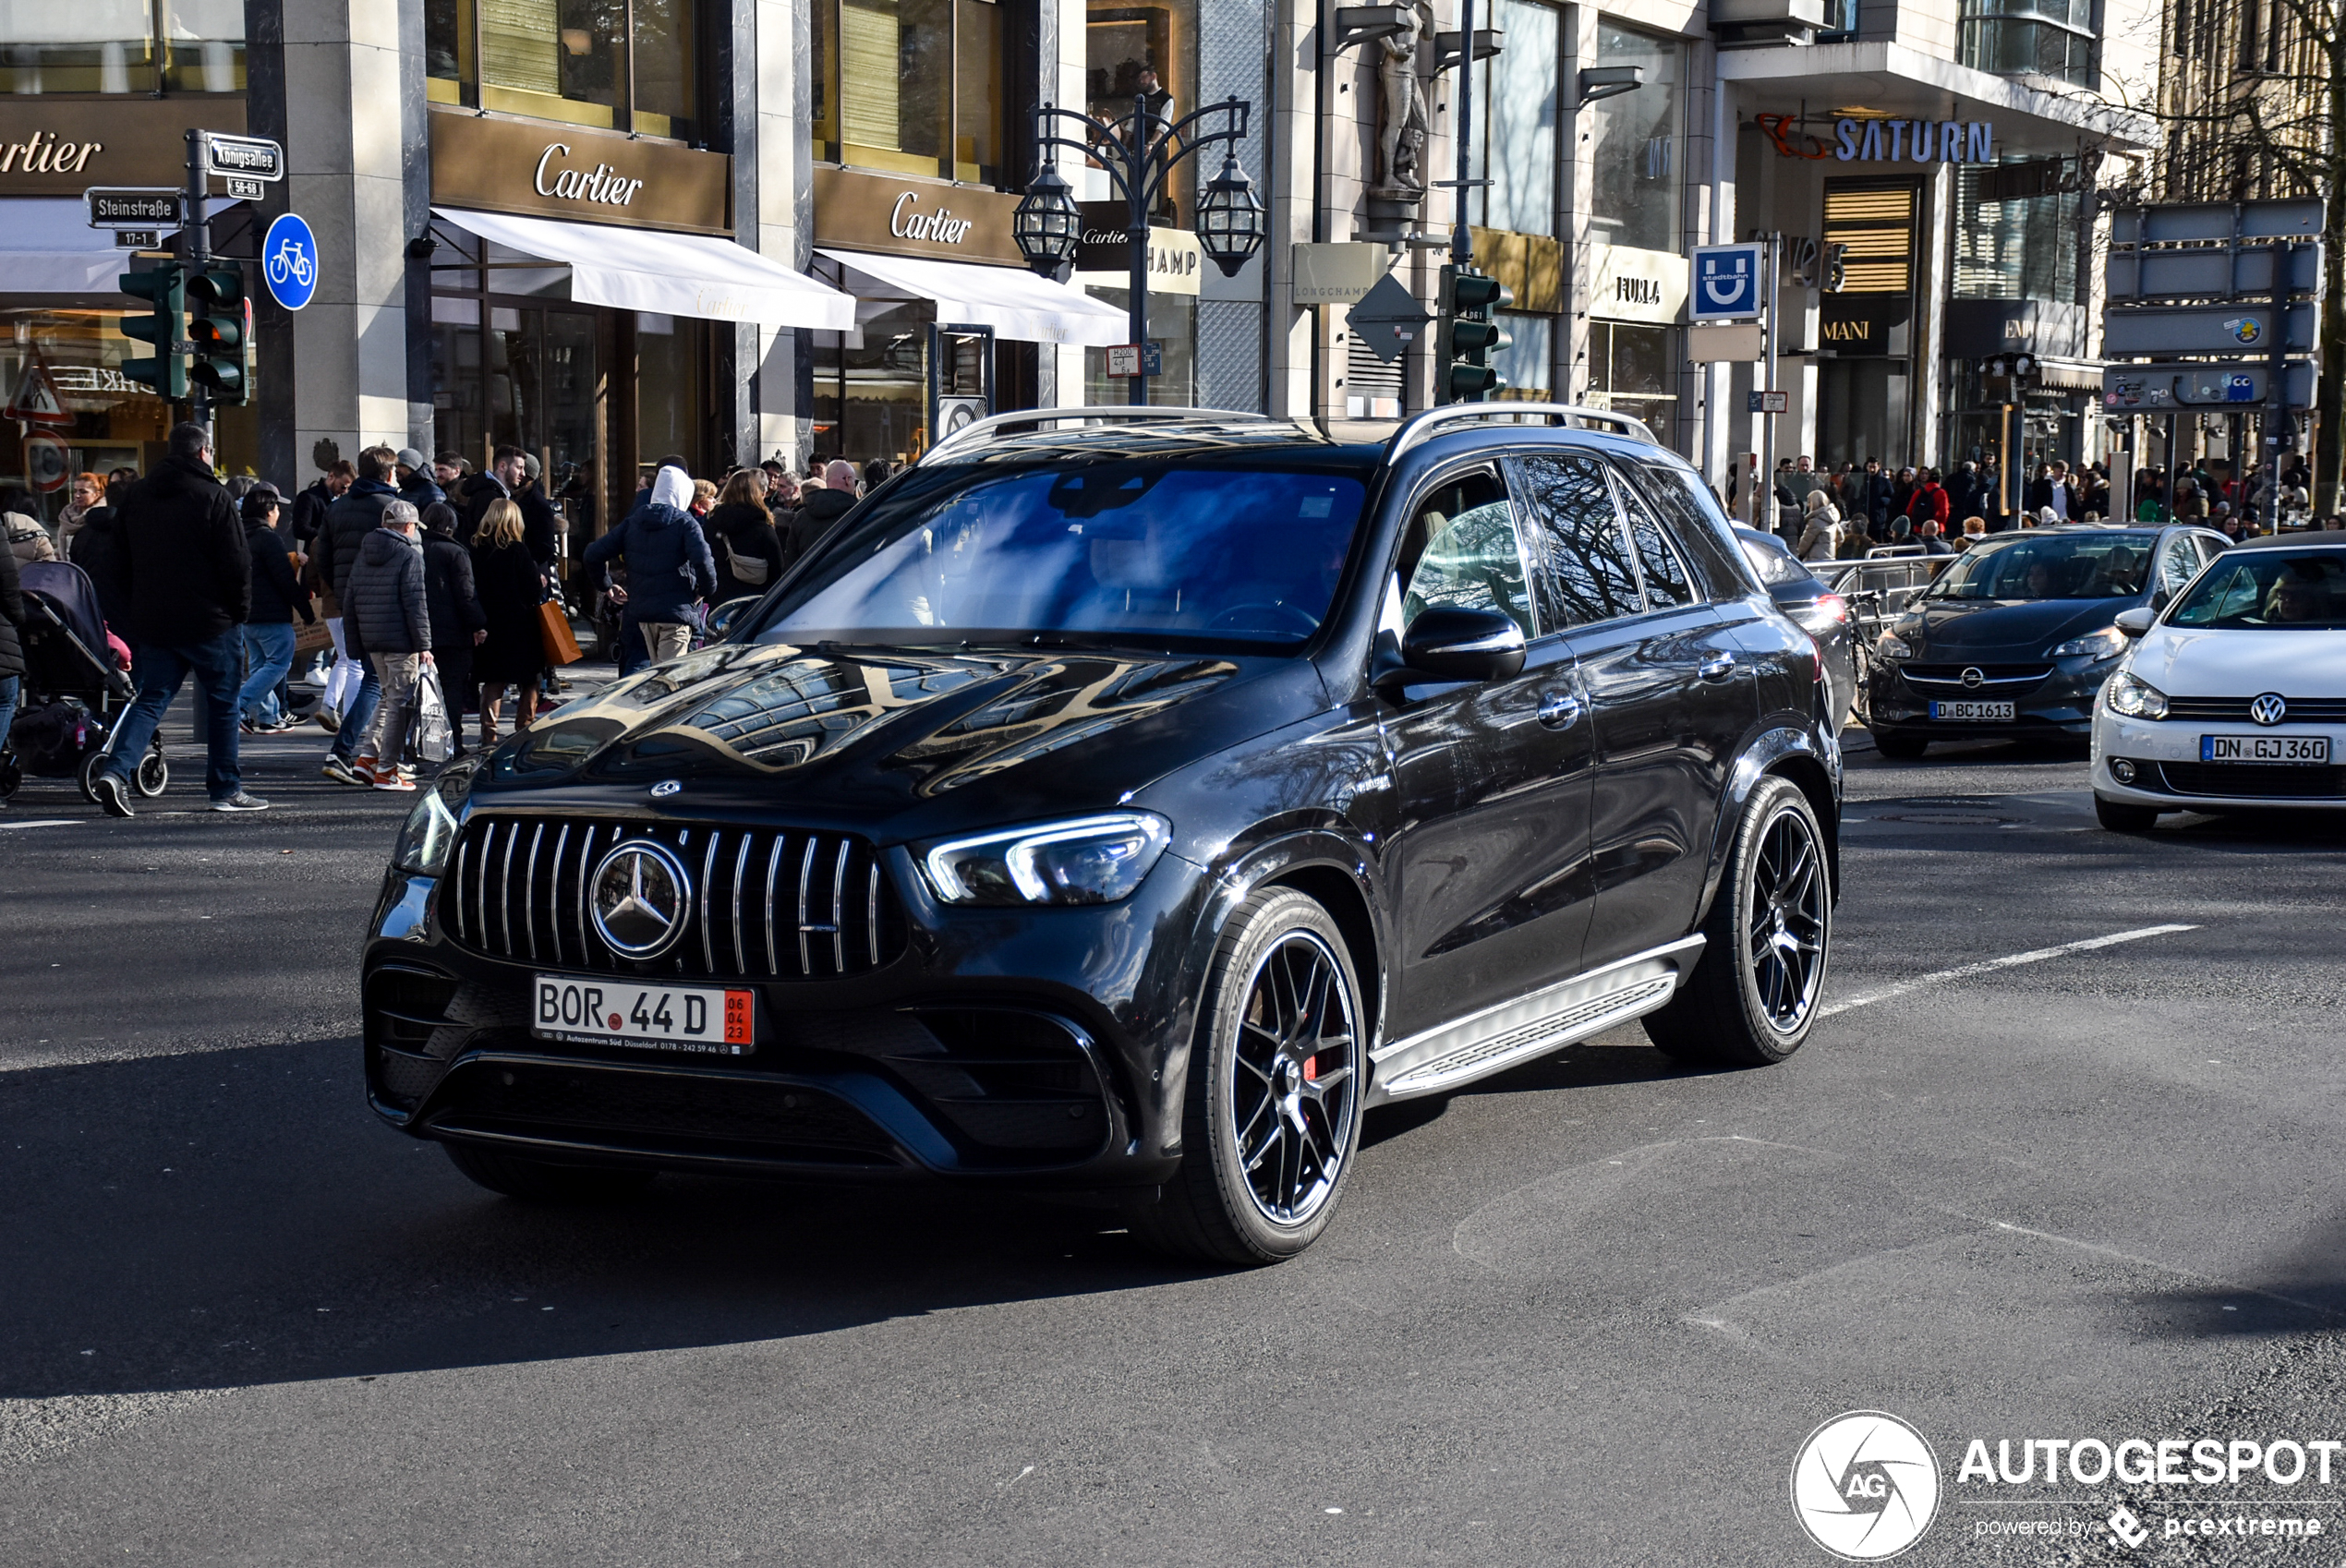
point(1461, 550)
point(1702, 530)
point(1578, 532)
point(1668, 584)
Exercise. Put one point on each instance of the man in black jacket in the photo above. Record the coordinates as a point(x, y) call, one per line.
point(309, 506)
point(458, 624)
point(277, 594)
point(335, 551)
point(507, 478)
point(415, 487)
point(388, 607)
point(190, 587)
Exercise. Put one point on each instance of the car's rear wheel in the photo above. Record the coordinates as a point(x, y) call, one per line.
point(1898, 747)
point(1271, 1116)
point(2122, 816)
point(1753, 995)
point(544, 1181)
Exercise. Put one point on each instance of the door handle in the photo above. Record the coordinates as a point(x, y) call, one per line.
point(1560, 712)
point(1716, 669)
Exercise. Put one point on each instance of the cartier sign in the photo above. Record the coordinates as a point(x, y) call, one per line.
point(542, 171)
point(894, 215)
point(51, 145)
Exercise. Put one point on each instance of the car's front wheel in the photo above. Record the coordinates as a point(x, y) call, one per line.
point(1271, 1116)
point(1752, 997)
point(543, 1181)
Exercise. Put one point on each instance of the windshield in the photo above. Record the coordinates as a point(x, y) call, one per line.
point(2059, 566)
point(2264, 590)
point(1133, 550)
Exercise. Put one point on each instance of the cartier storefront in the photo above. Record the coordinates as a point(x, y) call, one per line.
point(578, 278)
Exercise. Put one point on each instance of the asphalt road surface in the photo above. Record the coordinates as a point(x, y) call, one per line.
point(1584, 1313)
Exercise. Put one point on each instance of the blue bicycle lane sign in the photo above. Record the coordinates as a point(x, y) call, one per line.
point(289, 261)
point(1726, 281)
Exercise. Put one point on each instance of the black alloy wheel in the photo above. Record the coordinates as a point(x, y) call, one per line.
point(1271, 1110)
point(1754, 993)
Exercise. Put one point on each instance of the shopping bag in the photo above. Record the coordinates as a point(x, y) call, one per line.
point(553, 631)
point(435, 738)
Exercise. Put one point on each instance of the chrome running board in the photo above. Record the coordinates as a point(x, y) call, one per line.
point(1546, 1019)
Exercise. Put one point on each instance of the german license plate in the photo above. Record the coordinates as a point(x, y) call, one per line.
point(2264, 748)
point(658, 1018)
point(1974, 713)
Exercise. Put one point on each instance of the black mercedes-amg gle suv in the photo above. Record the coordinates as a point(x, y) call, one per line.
point(1126, 801)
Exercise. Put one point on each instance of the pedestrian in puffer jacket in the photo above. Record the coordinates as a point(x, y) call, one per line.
point(458, 624)
point(387, 605)
point(669, 567)
point(351, 687)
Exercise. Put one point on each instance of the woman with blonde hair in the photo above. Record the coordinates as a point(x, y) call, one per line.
point(506, 582)
point(1819, 527)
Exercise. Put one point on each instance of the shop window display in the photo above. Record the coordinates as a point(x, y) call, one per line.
point(910, 87)
point(125, 47)
point(612, 64)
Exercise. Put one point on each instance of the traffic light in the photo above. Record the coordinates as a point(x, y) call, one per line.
point(164, 285)
point(220, 325)
point(1470, 334)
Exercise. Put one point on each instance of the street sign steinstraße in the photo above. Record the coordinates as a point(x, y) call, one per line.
point(133, 207)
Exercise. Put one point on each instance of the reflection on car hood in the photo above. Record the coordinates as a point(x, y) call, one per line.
point(871, 732)
point(1994, 631)
point(2186, 663)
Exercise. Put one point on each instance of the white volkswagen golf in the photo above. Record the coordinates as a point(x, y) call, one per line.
point(2234, 694)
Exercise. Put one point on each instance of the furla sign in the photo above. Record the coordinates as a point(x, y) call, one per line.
point(492, 165)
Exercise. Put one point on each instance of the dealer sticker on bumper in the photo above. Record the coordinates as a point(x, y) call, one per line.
point(658, 1018)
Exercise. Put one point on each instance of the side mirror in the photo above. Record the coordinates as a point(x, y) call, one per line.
point(1451, 644)
point(2136, 621)
point(722, 619)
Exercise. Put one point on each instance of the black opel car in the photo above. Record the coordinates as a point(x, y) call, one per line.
point(1124, 803)
point(2011, 641)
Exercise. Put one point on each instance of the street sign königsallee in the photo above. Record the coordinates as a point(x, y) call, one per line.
point(242, 157)
point(2204, 329)
point(132, 207)
point(2160, 388)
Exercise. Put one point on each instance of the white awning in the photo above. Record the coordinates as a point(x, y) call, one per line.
point(668, 274)
point(48, 246)
point(1014, 302)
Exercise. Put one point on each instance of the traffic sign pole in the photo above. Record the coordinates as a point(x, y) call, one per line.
point(198, 237)
point(1763, 490)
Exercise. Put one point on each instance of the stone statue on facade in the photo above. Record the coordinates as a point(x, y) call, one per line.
point(1404, 113)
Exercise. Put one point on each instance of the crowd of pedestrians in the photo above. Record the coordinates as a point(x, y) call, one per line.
point(416, 569)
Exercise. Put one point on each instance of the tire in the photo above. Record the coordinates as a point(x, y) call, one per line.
point(1748, 1007)
point(86, 774)
point(1898, 747)
point(542, 1181)
point(153, 775)
point(1262, 1050)
point(2120, 817)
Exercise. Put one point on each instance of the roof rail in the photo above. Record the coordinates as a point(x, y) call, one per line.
point(979, 430)
point(1421, 427)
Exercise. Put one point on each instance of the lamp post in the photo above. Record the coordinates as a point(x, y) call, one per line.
point(1140, 156)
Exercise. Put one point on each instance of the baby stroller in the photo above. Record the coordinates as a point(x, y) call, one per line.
point(73, 695)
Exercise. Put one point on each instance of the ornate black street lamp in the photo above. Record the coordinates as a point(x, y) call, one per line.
point(1140, 155)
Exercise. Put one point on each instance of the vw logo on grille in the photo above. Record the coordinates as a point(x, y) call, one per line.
point(638, 898)
point(1975, 676)
point(2270, 708)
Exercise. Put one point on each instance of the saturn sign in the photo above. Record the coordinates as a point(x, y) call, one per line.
point(1726, 283)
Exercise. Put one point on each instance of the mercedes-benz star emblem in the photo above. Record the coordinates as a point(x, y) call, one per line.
point(638, 897)
point(666, 787)
point(2270, 708)
point(1975, 676)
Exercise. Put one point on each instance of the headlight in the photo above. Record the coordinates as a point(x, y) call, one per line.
point(2136, 699)
point(1090, 860)
point(2107, 643)
point(1892, 646)
point(430, 832)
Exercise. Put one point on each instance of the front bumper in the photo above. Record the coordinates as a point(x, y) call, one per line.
point(2059, 704)
point(2168, 775)
point(1036, 1048)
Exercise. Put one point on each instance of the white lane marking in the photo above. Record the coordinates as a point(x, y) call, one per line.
point(46, 822)
point(1988, 966)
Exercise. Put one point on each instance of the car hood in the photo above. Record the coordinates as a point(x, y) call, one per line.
point(2186, 663)
point(891, 742)
point(2002, 632)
